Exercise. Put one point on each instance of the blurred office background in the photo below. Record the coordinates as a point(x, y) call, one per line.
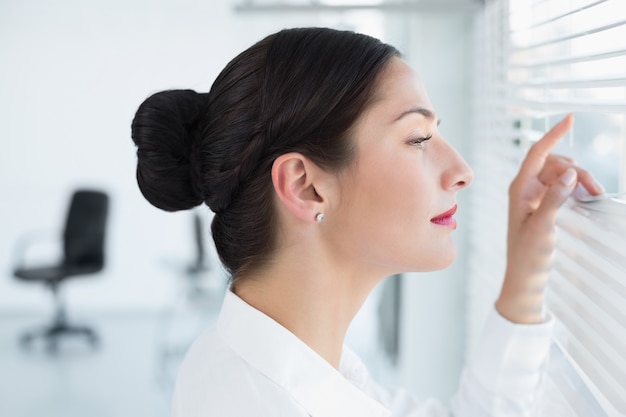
point(71, 77)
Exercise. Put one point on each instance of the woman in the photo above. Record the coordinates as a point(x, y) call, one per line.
point(319, 153)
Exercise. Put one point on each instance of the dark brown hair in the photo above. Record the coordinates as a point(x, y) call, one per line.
point(298, 90)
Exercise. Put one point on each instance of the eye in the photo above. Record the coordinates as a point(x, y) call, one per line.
point(418, 143)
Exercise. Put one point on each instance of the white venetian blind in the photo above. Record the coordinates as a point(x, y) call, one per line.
point(536, 61)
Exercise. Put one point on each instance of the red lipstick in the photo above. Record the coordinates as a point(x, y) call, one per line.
point(446, 219)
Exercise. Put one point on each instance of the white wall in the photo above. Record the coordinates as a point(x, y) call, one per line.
point(71, 76)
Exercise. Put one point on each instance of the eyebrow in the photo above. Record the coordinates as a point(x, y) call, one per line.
point(427, 113)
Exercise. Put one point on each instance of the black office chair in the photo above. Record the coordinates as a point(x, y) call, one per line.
point(83, 253)
point(200, 263)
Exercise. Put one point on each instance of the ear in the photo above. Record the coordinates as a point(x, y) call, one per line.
point(294, 178)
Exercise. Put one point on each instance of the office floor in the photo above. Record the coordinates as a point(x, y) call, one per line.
point(132, 372)
point(129, 374)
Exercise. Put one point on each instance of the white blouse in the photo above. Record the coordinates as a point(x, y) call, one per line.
point(249, 365)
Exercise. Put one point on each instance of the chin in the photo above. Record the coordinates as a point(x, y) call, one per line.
point(432, 259)
point(442, 259)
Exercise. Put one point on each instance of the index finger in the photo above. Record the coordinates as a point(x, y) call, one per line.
point(539, 152)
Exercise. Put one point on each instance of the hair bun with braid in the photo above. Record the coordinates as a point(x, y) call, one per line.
point(299, 90)
point(165, 130)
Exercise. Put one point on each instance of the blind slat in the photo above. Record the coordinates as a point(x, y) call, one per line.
point(612, 364)
point(565, 294)
point(605, 272)
point(547, 107)
point(570, 36)
point(558, 17)
point(594, 293)
point(586, 310)
point(564, 382)
point(560, 83)
point(566, 60)
point(606, 240)
point(607, 388)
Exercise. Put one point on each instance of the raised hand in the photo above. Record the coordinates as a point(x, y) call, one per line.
point(542, 185)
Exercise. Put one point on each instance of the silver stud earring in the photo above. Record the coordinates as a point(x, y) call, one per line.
point(319, 217)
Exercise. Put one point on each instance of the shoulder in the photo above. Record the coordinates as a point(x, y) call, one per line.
point(214, 380)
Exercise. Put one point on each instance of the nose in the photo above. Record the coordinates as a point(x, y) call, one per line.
point(457, 174)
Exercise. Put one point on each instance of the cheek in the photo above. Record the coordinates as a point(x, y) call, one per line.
point(394, 189)
point(386, 209)
point(399, 218)
point(394, 186)
point(395, 202)
point(405, 191)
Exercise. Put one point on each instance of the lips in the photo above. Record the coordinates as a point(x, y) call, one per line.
point(446, 219)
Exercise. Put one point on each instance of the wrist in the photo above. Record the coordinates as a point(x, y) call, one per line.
point(520, 312)
point(521, 301)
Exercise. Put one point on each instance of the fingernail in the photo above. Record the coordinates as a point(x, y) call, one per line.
point(567, 117)
point(568, 177)
point(599, 188)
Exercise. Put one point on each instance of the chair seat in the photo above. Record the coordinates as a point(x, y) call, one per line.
point(54, 272)
point(46, 273)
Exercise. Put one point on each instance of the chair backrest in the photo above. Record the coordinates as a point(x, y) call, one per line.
point(198, 234)
point(83, 237)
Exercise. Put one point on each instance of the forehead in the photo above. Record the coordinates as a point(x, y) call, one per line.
point(399, 89)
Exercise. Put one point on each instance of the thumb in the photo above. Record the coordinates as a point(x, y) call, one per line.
point(554, 198)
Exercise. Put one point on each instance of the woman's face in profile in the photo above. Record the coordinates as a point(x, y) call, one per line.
point(394, 199)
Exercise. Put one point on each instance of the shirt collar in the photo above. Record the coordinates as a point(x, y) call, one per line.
point(278, 354)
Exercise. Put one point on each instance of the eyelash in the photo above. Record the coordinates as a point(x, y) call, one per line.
point(418, 143)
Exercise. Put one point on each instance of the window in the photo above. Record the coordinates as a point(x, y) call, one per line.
point(536, 61)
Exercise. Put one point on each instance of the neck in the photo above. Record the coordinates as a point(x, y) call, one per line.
point(313, 299)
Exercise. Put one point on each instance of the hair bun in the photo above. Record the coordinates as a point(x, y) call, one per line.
point(165, 130)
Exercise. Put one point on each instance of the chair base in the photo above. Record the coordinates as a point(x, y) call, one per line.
point(52, 334)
